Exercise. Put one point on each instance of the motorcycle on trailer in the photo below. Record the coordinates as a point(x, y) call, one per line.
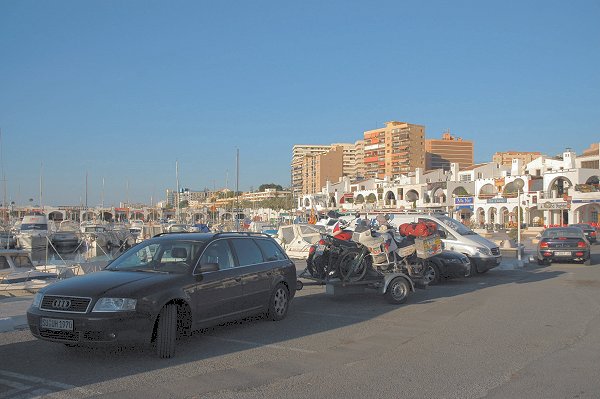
point(381, 251)
point(323, 257)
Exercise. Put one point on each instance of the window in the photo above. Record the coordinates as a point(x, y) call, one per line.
point(218, 252)
point(3, 263)
point(270, 250)
point(247, 251)
point(22, 261)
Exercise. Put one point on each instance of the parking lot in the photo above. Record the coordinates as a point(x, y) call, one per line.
point(531, 332)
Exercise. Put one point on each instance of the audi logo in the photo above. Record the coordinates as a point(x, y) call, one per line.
point(61, 303)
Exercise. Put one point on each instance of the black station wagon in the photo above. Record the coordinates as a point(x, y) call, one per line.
point(166, 287)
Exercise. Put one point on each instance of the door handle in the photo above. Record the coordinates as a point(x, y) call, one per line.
point(238, 279)
point(269, 273)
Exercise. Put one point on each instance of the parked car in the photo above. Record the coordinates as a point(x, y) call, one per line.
point(589, 231)
point(483, 254)
point(563, 244)
point(447, 264)
point(166, 287)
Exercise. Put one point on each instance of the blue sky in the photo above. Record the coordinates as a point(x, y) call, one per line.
point(123, 89)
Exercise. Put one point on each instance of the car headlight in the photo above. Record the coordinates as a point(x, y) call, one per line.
point(37, 299)
point(114, 305)
point(484, 251)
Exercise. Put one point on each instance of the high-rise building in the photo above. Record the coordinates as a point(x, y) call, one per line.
point(440, 153)
point(299, 162)
point(318, 169)
point(506, 157)
point(314, 165)
point(396, 149)
point(360, 158)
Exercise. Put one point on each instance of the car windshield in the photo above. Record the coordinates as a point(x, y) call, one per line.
point(167, 256)
point(456, 225)
point(573, 232)
point(34, 226)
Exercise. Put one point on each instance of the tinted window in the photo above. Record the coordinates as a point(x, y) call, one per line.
point(247, 251)
point(218, 252)
point(566, 232)
point(3, 263)
point(270, 250)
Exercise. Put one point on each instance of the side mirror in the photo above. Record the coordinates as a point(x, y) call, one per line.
point(209, 267)
point(442, 234)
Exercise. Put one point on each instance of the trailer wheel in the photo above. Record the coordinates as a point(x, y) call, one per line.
point(397, 291)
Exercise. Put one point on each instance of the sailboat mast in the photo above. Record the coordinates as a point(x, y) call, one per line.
point(177, 193)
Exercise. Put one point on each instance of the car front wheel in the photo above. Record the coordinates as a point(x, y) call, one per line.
point(432, 273)
point(166, 331)
point(279, 302)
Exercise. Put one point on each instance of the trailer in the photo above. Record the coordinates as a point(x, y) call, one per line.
point(395, 287)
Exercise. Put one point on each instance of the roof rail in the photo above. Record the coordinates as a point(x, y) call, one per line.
point(244, 233)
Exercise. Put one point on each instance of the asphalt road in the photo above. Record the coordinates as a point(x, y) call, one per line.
point(528, 333)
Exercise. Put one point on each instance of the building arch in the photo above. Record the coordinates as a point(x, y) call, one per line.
point(492, 215)
point(439, 196)
point(593, 180)
point(360, 199)
point(371, 198)
point(411, 196)
point(512, 189)
point(488, 191)
point(480, 217)
point(460, 191)
point(57, 216)
point(503, 216)
point(588, 213)
point(390, 198)
point(559, 187)
point(88, 216)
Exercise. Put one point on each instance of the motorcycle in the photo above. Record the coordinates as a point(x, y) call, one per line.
point(379, 250)
point(323, 256)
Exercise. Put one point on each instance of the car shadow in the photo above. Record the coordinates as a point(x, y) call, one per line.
point(311, 313)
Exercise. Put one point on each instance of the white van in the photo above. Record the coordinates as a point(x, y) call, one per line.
point(483, 253)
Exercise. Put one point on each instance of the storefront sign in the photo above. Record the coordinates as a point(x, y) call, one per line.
point(461, 207)
point(553, 205)
point(581, 201)
point(463, 200)
point(497, 200)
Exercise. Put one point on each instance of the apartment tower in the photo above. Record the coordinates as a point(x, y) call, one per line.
point(440, 153)
point(505, 158)
point(396, 149)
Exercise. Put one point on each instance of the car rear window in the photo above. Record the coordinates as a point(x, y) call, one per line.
point(270, 250)
point(247, 251)
point(567, 233)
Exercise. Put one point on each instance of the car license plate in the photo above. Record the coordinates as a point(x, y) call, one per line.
point(562, 253)
point(56, 324)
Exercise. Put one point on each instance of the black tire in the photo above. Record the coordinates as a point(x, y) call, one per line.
point(345, 263)
point(540, 262)
point(588, 262)
point(279, 302)
point(432, 275)
point(397, 291)
point(166, 331)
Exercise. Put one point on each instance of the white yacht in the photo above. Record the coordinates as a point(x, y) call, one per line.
point(34, 233)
